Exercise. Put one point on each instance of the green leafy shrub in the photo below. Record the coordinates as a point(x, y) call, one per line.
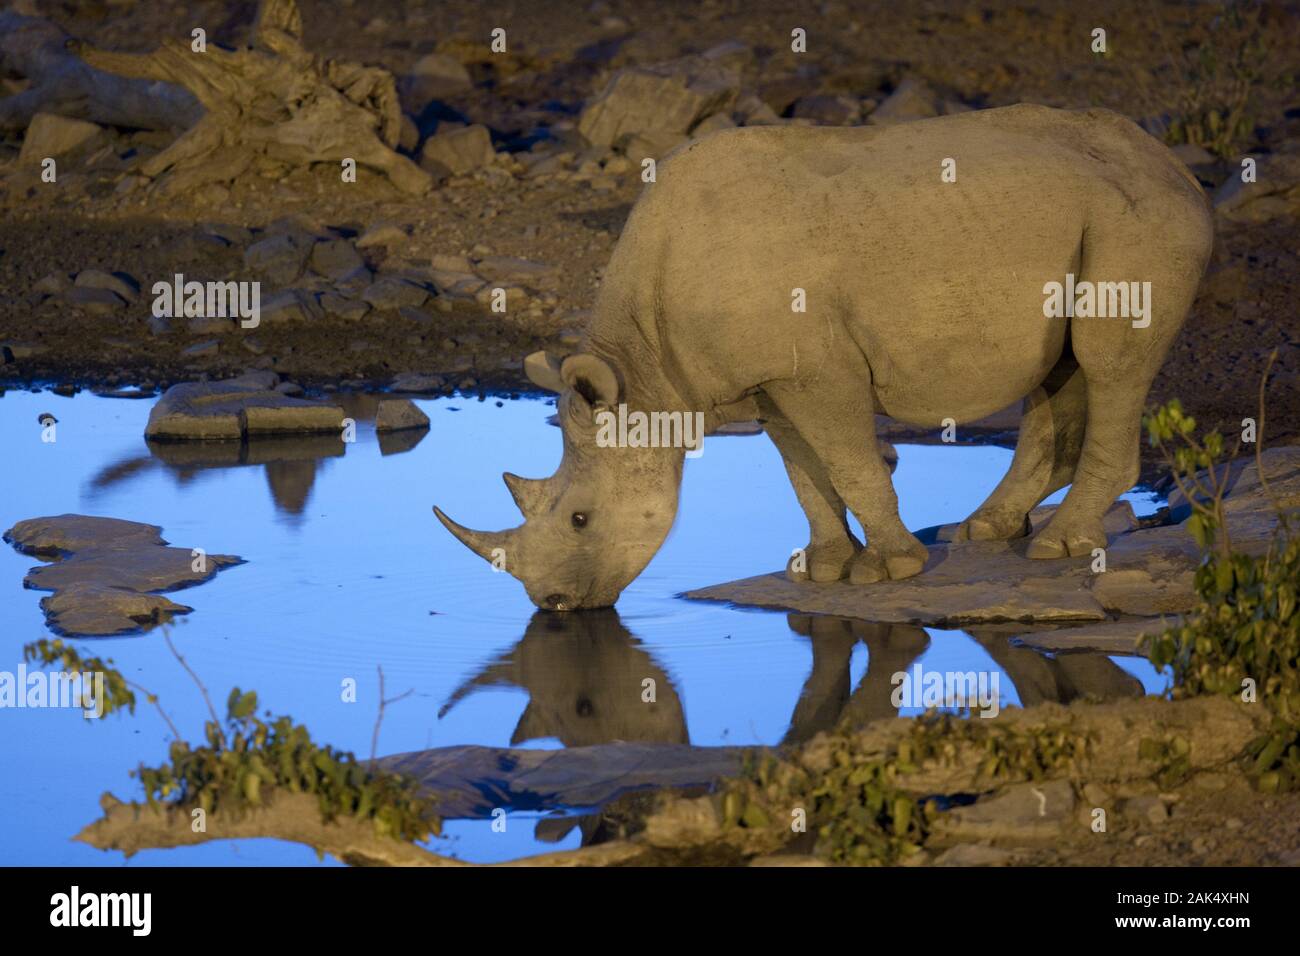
point(855, 804)
point(1243, 637)
point(245, 761)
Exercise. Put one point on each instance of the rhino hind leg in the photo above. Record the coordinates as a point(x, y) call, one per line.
point(1120, 359)
point(832, 545)
point(1047, 451)
point(839, 428)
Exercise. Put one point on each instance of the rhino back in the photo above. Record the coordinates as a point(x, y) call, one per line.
point(918, 272)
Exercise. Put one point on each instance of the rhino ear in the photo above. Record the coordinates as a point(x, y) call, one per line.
point(543, 370)
point(592, 378)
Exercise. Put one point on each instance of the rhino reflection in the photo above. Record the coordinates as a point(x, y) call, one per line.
point(1061, 678)
point(585, 676)
point(826, 699)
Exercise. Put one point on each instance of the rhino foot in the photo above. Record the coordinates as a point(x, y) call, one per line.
point(878, 564)
point(822, 562)
point(1067, 541)
point(994, 526)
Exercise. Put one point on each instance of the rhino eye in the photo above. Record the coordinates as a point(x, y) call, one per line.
point(579, 519)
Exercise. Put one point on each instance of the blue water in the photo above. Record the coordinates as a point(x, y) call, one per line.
point(347, 570)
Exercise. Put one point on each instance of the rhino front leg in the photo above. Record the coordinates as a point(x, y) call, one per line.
point(832, 545)
point(840, 430)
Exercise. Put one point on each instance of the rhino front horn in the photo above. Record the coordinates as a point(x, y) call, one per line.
point(482, 543)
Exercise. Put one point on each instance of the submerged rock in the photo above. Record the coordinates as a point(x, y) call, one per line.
point(236, 408)
point(107, 572)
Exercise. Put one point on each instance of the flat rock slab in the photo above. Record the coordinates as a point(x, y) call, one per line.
point(106, 572)
point(1113, 637)
point(237, 408)
point(1149, 571)
point(472, 781)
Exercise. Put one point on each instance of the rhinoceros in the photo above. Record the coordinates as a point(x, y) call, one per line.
point(811, 277)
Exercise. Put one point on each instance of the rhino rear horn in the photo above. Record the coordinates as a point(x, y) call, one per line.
point(529, 493)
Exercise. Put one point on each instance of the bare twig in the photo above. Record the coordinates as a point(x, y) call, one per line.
point(189, 670)
point(379, 719)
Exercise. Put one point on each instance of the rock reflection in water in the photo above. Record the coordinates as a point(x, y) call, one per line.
point(291, 461)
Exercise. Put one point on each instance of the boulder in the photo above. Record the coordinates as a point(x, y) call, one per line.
point(279, 259)
point(458, 151)
point(392, 292)
point(397, 414)
point(236, 408)
point(334, 258)
point(911, 100)
point(51, 135)
point(669, 98)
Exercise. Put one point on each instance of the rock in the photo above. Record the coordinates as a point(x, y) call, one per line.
point(459, 151)
point(392, 293)
point(94, 301)
point(471, 781)
point(435, 76)
point(334, 258)
point(56, 283)
point(1275, 191)
point(202, 349)
point(1148, 570)
point(1116, 637)
point(713, 124)
point(279, 259)
point(515, 296)
point(1148, 808)
point(235, 408)
point(89, 609)
point(417, 383)
point(396, 414)
point(63, 535)
point(736, 55)
point(291, 305)
point(781, 92)
point(669, 98)
point(1021, 811)
point(108, 573)
point(649, 144)
point(828, 109)
point(1190, 155)
point(344, 308)
point(912, 100)
point(975, 854)
point(507, 269)
point(382, 234)
point(119, 284)
point(51, 135)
